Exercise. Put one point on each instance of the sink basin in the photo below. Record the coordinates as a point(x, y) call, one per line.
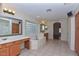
point(3, 39)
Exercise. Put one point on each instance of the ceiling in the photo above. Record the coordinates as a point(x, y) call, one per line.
point(38, 10)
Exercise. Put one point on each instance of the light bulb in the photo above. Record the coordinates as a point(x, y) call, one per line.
point(14, 12)
point(9, 10)
point(5, 9)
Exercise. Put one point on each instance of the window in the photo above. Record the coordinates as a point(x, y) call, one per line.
point(30, 28)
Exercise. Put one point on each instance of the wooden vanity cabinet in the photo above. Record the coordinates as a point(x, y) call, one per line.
point(4, 50)
point(13, 48)
point(10, 49)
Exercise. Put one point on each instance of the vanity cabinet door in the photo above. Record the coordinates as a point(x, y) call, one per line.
point(27, 44)
point(15, 50)
point(4, 51)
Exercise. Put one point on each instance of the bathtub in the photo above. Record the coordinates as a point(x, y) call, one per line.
point(37, 43)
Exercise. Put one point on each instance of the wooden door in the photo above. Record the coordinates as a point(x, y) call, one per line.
point(27, 44)
point(15, 50)
point(4, 51)
point(77, 33)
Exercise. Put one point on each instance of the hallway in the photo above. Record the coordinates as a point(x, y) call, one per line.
point(52, 48)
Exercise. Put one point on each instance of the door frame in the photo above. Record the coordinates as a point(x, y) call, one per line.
point(54, 29)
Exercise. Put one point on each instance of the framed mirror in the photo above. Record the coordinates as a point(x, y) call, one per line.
point(10, 26)
point(43, 27)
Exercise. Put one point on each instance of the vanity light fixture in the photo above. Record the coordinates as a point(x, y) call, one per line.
point(5, 10)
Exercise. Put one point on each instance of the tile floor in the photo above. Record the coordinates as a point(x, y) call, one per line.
point(52, 48)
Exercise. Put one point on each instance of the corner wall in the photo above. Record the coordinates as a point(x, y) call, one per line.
point(71, 32)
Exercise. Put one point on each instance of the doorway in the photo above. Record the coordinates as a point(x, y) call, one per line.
point(57, 30)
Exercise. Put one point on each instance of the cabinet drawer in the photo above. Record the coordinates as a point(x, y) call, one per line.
point(6, 44)
point(17, 42)
point(2, 46)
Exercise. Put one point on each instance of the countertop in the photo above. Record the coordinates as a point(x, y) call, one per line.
point(11, 39)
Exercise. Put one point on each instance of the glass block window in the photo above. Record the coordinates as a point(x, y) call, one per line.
point(30, 28)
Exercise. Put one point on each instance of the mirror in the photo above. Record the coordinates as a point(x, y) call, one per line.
point(10, 26)
point(43, 27)
point(46, 27)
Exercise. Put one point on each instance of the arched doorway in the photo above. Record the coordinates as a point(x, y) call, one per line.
point(57, 30)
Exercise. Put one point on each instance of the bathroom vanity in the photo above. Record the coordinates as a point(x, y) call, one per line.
point(12, 48)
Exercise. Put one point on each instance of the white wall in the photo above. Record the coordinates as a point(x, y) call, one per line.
point(71, 32)
point(50, 30)
point(0, 7)
point(63, 29)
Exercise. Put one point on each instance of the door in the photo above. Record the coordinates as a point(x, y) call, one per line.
point(15, 50)
point(27, 44)
point(56, 32)
point(77, 33)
